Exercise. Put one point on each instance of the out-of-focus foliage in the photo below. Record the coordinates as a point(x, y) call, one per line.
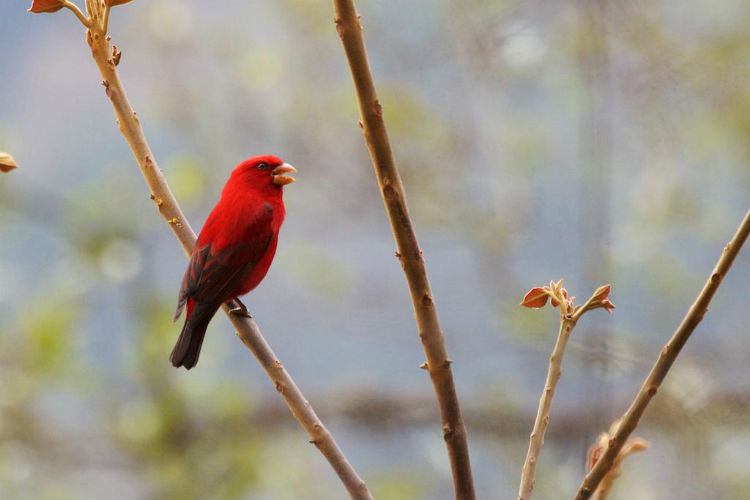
point(595, 141)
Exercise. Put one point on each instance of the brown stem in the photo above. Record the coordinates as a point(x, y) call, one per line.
point(247, 330)
point(536, 440)
point(394, 198)
point(663, 363)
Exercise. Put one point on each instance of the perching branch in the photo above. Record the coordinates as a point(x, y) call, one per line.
point(569, 315)
point(394, 198)
point(106, 59)
point(664, 362)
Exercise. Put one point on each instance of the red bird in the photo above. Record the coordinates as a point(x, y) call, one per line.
point(234, 249)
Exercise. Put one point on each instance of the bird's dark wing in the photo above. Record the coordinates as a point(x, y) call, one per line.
point(212, 277)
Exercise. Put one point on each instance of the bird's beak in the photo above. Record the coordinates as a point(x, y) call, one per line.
point(278, 174)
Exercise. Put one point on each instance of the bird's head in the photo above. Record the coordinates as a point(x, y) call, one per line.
point(265, 171)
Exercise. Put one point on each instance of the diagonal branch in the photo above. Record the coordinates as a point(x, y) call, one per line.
point(664, 362)
point(107, 59)
point(394, 198)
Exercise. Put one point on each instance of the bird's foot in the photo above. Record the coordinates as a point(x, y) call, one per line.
point(239, 309)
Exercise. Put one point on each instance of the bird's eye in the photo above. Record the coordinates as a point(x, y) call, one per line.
point(262, 166)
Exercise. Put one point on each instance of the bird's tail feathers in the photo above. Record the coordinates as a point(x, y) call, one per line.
point(188, 346)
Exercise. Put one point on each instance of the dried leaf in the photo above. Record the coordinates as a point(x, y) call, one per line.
point(38, 6)
point(597, 450)
point(7, 163)
point(536, 297)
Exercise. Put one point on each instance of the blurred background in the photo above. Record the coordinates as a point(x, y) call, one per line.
point(595, 141)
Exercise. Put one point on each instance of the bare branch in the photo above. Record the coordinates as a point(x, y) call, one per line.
point(394, 198)
point(664, 362)
point(536, 439)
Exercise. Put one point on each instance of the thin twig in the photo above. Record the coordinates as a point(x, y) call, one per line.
point(247, 330)
point(569, 316)
point(394, 198)
point(105, 18)
point(536, 440)
point(663, 363)
point(74, 8)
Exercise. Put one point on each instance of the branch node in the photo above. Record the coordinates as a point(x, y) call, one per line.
point(424, 366)
point(377, 108)
point(426, 300)
point(447, 432)
point(339, 26)
point(389, 192)
point(116, 54)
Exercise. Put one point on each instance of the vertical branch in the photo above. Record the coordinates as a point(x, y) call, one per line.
point(536, 440)
point(663, 363)
point(569, 315)
point(394, 198)
point(107, 59)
